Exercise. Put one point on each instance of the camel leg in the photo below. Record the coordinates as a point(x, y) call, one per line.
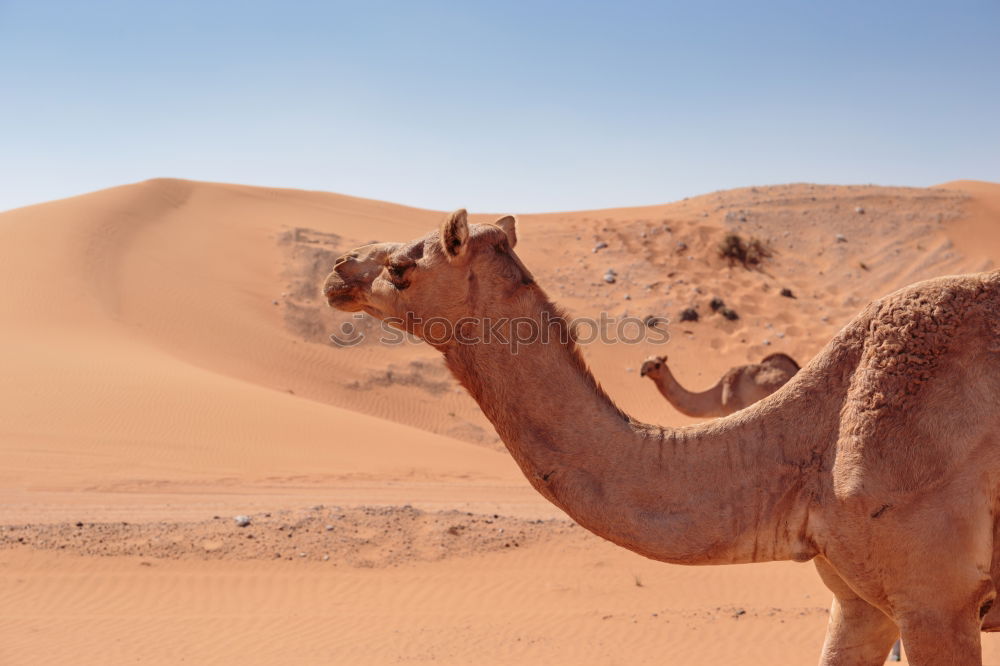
point(940, 600)
point(943, 635)
point(858, 634)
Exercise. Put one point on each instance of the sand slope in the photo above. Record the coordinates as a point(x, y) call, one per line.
point(166, 359)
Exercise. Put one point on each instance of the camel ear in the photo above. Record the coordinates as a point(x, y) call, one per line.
point(509, 226)
point(455, 234)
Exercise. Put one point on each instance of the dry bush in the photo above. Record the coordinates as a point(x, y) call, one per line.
point(749, 252)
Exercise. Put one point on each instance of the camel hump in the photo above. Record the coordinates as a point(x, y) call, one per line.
point(779, 358)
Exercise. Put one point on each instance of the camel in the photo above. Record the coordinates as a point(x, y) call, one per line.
point(879, 461)
point(740, 387)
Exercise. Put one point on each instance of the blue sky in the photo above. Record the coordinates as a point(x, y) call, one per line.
point(496, 106)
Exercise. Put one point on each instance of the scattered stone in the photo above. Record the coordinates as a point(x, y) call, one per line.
point(329, 528)
point(766, 343)
point(863, 266)
point(689, 314)
point(274, 302)
point(627, 297)
point(729, 314)
point(242, 521)
point(859, 210)
point(841, 238)
point(610, 276)
point(681, 246)
point(79, 524)
point(600, 246)
point(738, 612)
point(653, 321)
point(317, 507)
point(716, 304)
point(326, 558)
point(787, 293)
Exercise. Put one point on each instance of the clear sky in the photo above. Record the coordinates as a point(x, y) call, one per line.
point(500, 106)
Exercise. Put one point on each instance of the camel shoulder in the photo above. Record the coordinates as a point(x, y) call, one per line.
point(913, 353)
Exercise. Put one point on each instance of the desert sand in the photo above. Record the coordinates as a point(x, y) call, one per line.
point(166, 367)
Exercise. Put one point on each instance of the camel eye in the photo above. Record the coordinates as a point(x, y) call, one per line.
point(397, 275)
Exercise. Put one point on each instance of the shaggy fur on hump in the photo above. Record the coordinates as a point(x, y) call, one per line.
point(911, 331)
point(904, 340)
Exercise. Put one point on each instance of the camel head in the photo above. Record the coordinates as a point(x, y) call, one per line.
point(462, 270)
point(652, 366)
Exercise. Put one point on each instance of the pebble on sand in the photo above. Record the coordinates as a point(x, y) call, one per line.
point(242, 521)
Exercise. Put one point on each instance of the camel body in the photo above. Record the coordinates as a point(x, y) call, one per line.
point(879, 461)
point(739, 388)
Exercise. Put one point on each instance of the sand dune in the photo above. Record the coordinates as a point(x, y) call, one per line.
point(166, 359)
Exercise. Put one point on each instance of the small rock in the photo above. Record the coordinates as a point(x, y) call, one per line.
point(689, 314)
point(329, 528)
point(787, 293)
point(600, 246)
point(302, 554)
point(841, 238)
point(326, 558)
point(766, 343)
point(627, 297)
point(729, 314)
point(317, 507)
point(609, 277)
point(242, 521)
point(274, 302)
point(716, 304)
point(738, 612)
point(681, 246)
point(859, 210)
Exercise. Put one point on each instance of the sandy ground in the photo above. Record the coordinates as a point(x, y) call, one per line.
point(166, 367)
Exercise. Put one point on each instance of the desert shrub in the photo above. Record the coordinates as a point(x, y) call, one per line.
point(750, 253)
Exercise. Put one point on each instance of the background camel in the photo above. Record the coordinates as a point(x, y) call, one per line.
point(740, 387)
point(880, 461)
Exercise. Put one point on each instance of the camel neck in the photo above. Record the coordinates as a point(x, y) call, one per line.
point(723, 492)
point(698, 404)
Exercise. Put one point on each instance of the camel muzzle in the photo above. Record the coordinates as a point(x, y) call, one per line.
point(340, 294)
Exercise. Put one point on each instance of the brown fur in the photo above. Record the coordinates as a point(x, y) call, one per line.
point(880, 459)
